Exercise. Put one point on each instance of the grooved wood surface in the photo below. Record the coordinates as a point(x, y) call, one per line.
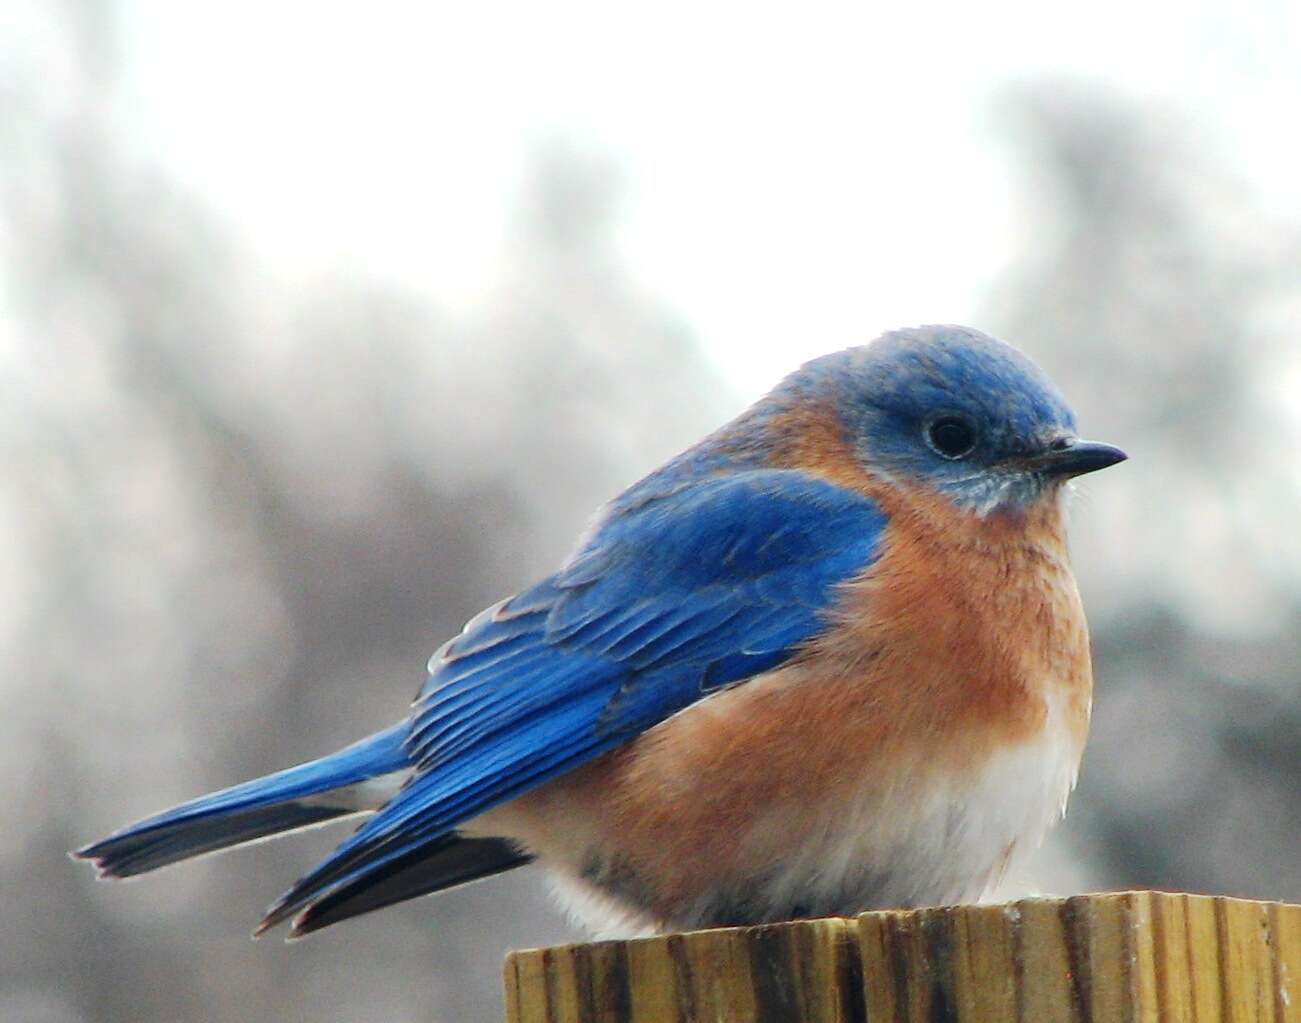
point(1128, 957)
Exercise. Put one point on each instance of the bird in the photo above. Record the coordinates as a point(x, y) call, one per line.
point(831, 658)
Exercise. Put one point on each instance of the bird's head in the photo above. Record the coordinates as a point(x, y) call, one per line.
point(956, 411)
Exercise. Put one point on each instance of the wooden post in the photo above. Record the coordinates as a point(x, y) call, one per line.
point(1128, 957)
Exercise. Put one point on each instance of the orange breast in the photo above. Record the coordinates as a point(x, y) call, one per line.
point(964, 639)
point(976, 623)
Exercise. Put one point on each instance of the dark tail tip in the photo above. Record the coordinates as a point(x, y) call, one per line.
point(277, 913)
point(302, 926)
point(93, 855)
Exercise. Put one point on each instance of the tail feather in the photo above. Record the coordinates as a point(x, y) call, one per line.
point(452, 861)
point(302, 796)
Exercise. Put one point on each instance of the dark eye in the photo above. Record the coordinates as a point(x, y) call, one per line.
point(950, 437)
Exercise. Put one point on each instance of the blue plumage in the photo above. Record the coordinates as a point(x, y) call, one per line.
point(284, 801)
point(887, 393)
point(668, 600)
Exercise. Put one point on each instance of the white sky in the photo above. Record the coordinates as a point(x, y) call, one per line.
point(800, 178)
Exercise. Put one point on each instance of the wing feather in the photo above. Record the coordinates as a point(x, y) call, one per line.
point(669, 600)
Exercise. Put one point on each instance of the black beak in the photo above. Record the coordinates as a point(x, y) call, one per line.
point(1070, 457)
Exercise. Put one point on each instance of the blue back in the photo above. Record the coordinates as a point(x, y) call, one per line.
point(696, 584)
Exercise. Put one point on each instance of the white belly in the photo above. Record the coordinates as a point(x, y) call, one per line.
point(949, 842)
point(896, 846)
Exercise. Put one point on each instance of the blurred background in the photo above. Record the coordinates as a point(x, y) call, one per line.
point(322, 326)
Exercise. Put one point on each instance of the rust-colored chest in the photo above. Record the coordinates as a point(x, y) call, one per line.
point(966, 625)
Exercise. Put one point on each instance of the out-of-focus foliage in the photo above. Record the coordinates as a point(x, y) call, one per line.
point(238, 518)
point(238, 514)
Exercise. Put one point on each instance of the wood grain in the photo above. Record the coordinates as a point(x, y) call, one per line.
point(1128, 957)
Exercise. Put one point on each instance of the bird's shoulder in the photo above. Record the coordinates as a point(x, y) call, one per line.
point(723, 524)
point(696, 584)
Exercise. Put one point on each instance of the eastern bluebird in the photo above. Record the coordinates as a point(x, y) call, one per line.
point(831, 658)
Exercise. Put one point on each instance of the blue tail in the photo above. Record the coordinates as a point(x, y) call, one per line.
point(286, 801)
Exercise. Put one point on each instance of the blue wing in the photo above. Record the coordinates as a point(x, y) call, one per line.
point(701, 586)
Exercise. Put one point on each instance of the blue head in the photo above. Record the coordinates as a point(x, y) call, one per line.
point(954, 410)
